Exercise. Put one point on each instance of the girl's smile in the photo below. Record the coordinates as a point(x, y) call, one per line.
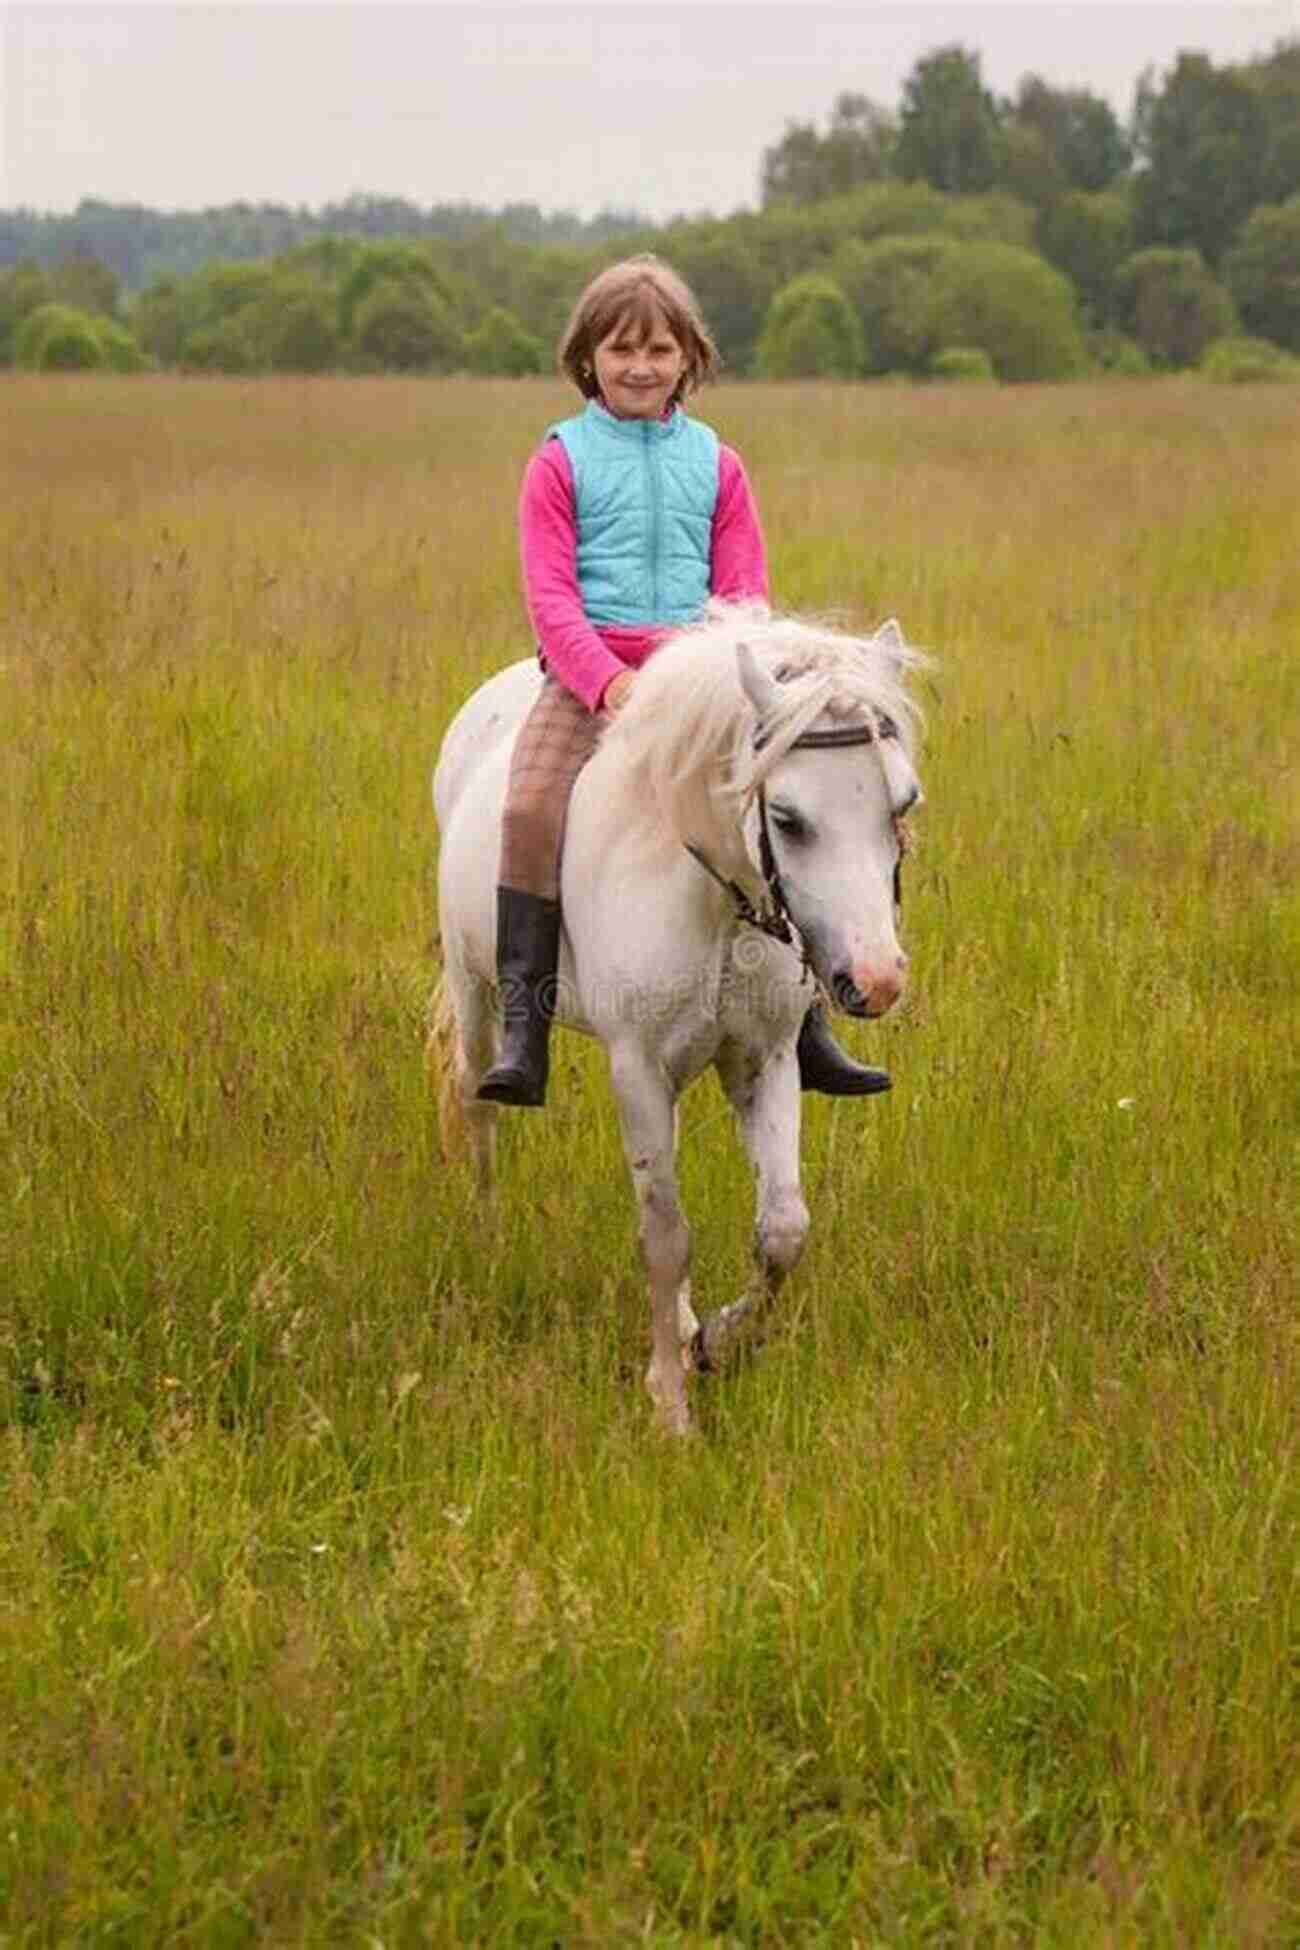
point(638, 370)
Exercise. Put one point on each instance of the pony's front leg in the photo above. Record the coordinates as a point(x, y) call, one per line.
point(646, 1107)
point(767, 1104)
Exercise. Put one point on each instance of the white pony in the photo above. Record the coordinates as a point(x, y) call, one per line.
point(735, 837)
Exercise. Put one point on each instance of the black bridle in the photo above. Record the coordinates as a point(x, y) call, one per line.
point(774, 918)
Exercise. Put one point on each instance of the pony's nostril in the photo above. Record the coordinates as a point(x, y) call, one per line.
point(848, 996)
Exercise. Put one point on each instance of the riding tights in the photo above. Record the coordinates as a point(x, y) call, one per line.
point(555, 741)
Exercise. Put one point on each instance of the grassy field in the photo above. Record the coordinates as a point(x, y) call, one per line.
point(346, 1595)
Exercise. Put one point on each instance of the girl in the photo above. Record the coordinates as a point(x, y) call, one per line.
point(631, 516)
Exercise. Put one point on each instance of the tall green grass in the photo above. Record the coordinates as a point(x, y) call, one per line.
point(346, 1595)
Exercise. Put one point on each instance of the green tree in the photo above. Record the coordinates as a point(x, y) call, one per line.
point(805, 167)
point(791, 170)
point(1248, 362)
point(119, 347)
point(1087, 235)
point(245, 318)
point(214, 314)
point(1172, 305)
point(948, 131)
point(789, 240)
point(406, 327)
point(24, 287)
point(228, 345)
point(811, 332)
point(499, 344)
point(1012, 304)
point(1262, 272)
point(549, 282)
point(914, 209)
point(158, 319)
point(1079, 133)
point(221, 290)
point(294, 324)
point(1203, 140)
point(1109, 351)
point(328, 259)
point(723, 271)
point(405, 267)
point(1276, 80)
point(889, 283)
point(58, 338)
point(962, 365)
point(1026, 166)
point(82, 281)
point(859, 143)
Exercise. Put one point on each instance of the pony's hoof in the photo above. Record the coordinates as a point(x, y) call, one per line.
point(672, 1411)
point(676, 1425)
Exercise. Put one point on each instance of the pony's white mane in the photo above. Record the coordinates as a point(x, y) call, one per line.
point(684, 741)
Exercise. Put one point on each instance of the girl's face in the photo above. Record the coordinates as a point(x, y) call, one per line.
point(638, 369)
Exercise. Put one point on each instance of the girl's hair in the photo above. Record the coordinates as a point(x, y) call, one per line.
point(637, 289)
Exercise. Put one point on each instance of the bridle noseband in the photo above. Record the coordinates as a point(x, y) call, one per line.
point(774, 918)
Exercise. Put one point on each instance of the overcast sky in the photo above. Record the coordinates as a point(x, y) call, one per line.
point(619, 104)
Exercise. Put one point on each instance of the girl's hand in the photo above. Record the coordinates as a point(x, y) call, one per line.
point(616, 692)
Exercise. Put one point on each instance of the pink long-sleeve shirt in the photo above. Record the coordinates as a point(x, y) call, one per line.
point(581, 657)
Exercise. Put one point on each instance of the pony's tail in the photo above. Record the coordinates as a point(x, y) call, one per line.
point(442, 1066)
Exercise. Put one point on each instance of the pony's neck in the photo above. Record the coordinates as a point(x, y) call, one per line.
point(661, 826)
point(725, 850)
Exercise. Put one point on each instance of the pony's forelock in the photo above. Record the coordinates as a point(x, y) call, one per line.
point(686, 732)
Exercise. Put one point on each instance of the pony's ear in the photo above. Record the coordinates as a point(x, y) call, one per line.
point(889, 638)
point(756, 684)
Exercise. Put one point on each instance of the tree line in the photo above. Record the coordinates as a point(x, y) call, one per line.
point(960, 236)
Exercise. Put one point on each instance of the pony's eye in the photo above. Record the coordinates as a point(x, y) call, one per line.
point(790, 824)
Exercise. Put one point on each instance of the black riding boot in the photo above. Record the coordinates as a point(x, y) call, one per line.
point(824, 1066)
point(528, 953)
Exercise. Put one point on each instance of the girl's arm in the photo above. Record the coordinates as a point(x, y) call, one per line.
point(548, 546)
point(738, 568)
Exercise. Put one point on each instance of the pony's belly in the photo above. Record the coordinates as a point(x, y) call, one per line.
point(570, 1010)
point(683, 1000)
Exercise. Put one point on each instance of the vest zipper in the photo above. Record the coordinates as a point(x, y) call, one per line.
point(650, 448)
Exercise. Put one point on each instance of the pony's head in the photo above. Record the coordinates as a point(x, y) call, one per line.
point(783, 750)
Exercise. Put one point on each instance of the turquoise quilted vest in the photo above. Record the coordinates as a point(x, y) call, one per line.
point(645, 493)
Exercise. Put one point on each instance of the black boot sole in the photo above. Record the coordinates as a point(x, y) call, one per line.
point(510, 1087)
point(868, 1086)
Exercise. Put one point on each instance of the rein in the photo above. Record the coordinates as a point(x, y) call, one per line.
point(774, 918)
